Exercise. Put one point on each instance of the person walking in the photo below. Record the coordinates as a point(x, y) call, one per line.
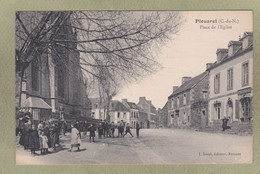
point(128, 130)
point(121, 128)
point(75, 138)
point(137, 129)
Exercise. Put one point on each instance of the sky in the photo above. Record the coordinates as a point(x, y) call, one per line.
point(189, 51)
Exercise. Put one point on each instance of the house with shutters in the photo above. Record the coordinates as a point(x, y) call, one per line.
point(231, 85)
point(134, 112)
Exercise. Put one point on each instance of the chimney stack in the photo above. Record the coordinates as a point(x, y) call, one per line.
point(185, 79)
point(124, 100)
point(208, 65)
point(142, 98)
point(174, 88)
point(247, 39)
point(221, 53)
point(233, 47)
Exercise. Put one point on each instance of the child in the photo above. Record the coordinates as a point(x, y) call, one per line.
point(44, 141)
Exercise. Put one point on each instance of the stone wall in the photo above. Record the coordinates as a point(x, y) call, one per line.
point(199, 106)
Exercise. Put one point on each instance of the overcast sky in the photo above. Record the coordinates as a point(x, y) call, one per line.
point(188, 53)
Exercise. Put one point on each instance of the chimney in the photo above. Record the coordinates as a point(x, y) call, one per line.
point(142, 99)
point(221, 53)
point(124, 100)
point(185, 79)
point(247, 39)
point(174, 88)
point(208, 65)
point(233, 47)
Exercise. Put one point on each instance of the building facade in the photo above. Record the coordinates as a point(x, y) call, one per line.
point(97, 109)
point(147, 108)
point(118, 112)
point(163, 115)
point(187, 105)
point(134, 112)
point(231, 84)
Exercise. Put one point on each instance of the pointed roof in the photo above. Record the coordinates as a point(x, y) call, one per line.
point(132, 105)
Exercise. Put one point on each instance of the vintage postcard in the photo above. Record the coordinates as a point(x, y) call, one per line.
point(134, 87)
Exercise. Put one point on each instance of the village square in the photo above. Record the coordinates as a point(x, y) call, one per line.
point(71, 68)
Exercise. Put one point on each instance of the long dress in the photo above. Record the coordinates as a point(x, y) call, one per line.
point(44, 142)
point(75, 139)
point(34, 140)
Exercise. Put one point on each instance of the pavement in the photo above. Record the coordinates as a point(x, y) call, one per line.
point(154, 146)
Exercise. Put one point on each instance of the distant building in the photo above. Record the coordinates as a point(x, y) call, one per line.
point(187, 105)
point(231, 84)
point(118, 111)
point(143, 118)
point(147, 107)
point(163, 116)
point(134, 112)
point(97, 109)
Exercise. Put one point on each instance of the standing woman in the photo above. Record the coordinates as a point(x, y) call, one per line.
point(33, 140)
point(75, 138)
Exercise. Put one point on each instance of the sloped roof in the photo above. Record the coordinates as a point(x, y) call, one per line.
point(35, 102)
point(239, 52)
point(117, 106)
point(153, 109)
point(132, 105)
point(189, 84)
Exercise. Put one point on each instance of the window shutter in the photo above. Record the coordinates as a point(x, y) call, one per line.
point(237, 109)
point(221, 111)
point(251, 107)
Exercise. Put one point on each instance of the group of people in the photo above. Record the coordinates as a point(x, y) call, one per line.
point(46, 134)
point(42, 137)
point(106, 129)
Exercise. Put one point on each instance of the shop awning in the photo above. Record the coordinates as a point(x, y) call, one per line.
point(35, 102)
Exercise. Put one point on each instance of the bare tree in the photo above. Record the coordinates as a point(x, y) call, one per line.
point(120, 43)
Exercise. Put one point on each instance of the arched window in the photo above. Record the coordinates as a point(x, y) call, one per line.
point(35, 75)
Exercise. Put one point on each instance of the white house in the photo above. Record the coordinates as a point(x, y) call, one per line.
point(231, 83)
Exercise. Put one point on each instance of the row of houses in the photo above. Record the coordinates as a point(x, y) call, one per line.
point(223, 91)
point(144, 112)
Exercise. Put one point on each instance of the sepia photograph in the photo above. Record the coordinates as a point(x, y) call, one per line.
point(133, 87)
